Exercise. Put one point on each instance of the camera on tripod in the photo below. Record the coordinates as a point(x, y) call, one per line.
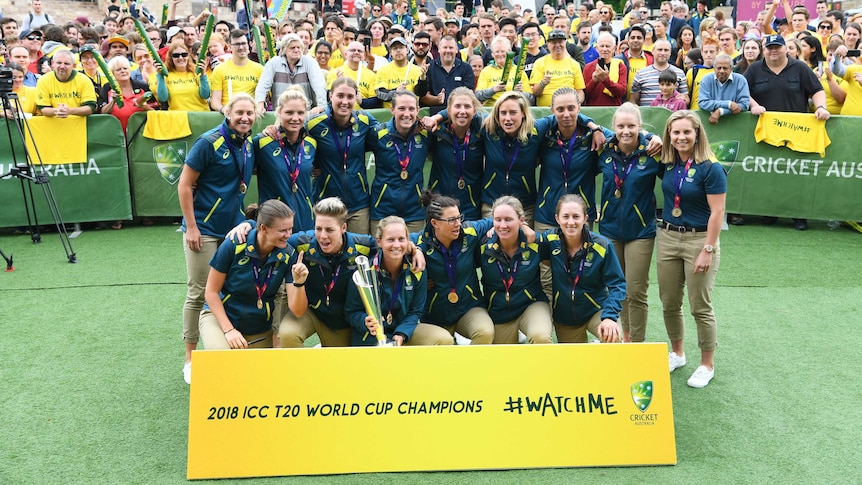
point(5, 80)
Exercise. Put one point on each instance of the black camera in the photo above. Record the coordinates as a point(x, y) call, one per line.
point(5, 80)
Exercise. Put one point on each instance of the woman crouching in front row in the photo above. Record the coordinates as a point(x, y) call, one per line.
point(244, 279)
point(402, 293)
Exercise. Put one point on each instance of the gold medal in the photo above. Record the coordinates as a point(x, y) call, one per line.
point(243, 188)
point(294, 188)
point(617, 193)
point(676, 212)
point(327, 300)
point(453, 297)
point(389, 319)
point(259, 304)
point(461, 184)
point(404, 175)
point(507, 296)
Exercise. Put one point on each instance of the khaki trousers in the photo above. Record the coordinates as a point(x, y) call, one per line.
point(357, 222)
point(635, 258)
point(535, 322)
point(475, 325)
point(197, 270)
point(212, 336)
point(430, 334)
point(568, 334)
point(675, 260)
point(293, 331)
point(545, 275)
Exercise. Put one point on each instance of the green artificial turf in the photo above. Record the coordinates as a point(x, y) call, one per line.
point(91, 389)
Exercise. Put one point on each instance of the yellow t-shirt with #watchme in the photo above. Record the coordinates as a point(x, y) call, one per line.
point(364, 77)
point(565, 73)
point(799, 132)
point(231, 79)
point(75, 92)
point(391, 76)
point(183, 91)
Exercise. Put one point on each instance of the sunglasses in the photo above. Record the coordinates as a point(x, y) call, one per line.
point(177, 55)
point(825, 27)
point(605, 12)
point(421, 44)
point(39, 37)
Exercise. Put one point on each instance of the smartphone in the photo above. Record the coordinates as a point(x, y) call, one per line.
point(602, 63)
point(367, 43)
point(853, 52)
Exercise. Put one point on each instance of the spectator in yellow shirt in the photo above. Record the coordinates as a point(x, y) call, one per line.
point(556, 70)
point(398, 74)
point(491, 83)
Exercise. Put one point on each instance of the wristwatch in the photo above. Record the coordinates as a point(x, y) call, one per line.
point(709, 248)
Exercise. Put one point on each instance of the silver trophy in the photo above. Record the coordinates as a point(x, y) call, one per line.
point(365, 279)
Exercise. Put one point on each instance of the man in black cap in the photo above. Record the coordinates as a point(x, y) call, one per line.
point(32, 40)
point(778, 83)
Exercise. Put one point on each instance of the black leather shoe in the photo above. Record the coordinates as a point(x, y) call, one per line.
point(800, 224)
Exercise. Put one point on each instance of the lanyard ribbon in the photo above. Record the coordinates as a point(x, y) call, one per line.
point(679, 178)
point(452, 262)
point(577, 277)
point(404, 162)
point(566, 154)
point(261, 288)
point(507, 282)
point(619, 179)
point(337, 139)
point(461, 152)
point(292, 168)
point(512, 160)
point(328, 288)
point(395, 292)
point(229, 142)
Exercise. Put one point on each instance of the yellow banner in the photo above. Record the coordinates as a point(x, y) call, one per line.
point(351, 410)
point(59, 140)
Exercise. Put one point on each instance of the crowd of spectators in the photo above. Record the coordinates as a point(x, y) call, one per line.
point(674, 56)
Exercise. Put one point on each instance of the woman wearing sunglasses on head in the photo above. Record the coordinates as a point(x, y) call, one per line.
point(182, 89)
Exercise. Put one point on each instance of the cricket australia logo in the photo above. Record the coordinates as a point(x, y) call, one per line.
point(642, 394)
point(726, 153)
point(169, 159)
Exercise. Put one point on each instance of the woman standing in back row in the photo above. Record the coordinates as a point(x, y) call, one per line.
point(628, 212)
point(694, 188)
point(211, 191)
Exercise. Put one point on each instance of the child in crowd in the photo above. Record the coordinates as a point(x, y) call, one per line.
point(669, 97)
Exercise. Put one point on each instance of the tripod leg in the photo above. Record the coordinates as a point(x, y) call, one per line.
point(9, 267)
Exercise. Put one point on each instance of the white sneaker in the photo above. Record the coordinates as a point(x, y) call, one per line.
point(701, 377)
point(462, 340)
point(187, 373)
point(675, 361)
